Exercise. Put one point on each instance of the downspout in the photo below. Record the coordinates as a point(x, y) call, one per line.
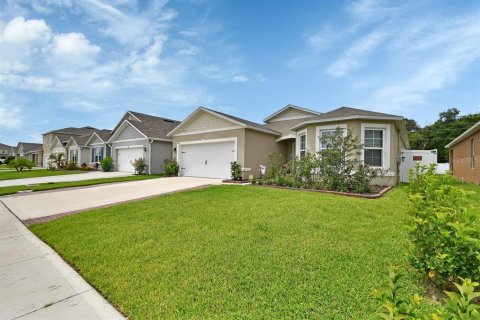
point(111, 155)
point(150, 157)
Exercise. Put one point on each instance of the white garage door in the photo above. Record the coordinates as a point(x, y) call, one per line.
point(207, 160)
point(124, 156)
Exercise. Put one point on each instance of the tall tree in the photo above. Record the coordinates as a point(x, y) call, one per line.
point(437, 135)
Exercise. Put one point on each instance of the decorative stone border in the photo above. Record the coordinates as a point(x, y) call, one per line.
point(348, 194)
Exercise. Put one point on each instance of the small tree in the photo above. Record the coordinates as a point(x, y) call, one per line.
point(236, 170)
point(21, 163)
point(339, 164)
point(139, 165)
point(107, 164)
point(57, 159)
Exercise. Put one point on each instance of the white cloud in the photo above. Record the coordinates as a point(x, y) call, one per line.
point(73, 44)
point(11, 115)
point(354, 57)
point(23, 32)
point(240, 78)
point(371, 10)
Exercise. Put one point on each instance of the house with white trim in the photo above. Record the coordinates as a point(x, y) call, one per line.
point(139, 135)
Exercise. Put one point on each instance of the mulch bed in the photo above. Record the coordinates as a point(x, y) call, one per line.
point(236, 181)
point(378, 191)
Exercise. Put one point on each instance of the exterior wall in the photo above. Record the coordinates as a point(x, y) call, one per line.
point(47, 143)
point(392, 177)
point(84, 156)
point(461, 160)
point(160, 151)
point(258, 146)
point(135, 143)
point(234, 133)
point(129, 133)
point(205, 121)
point(284, 126)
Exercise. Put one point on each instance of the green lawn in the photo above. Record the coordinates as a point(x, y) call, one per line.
point(8, 175)
point(229, 252)
point(70, 184)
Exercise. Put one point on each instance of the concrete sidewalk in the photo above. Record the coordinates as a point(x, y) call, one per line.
point(42, 204)
point(63, 178)
point(35, 283)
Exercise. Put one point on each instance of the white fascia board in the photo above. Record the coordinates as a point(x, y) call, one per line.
point(344, 119)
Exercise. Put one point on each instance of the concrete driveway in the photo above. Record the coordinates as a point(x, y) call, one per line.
point(48, 203)
point(63, 178)
point(35, 283)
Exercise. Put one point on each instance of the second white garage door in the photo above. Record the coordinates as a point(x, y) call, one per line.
point(207, 160)
point(124, 156)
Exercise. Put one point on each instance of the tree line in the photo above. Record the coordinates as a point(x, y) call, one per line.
point(437, 135)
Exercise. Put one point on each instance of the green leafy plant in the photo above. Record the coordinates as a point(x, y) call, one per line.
point(107, 164)
point(393, 305)
point(21, 164)
point(57, 160)
point(171, 167)
point(464, 304)
point(444, 232)
point(140, 165)
point(71, 166)
point(236, 171)
point(9, 160)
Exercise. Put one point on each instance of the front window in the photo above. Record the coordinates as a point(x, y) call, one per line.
point(302, 146)
point(74, 155)
point(374, 147)
point(97, 154)
point(472, 148)
point(326, 139)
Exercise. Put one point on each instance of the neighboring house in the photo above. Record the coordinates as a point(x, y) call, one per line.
point(88, 149)
point(31, 151)
point(207, 141)
point(139, 135)
point(54, 141)
point(4, 151)
point(463, 155)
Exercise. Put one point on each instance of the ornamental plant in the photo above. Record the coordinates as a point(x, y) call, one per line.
point(236, 171)
point(107, 164)
point(21, 164)
point(171, 167)
point(57, 160)
point(443, 229)
point(140, 165)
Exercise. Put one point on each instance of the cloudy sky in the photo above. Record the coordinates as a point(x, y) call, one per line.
point(75, 63)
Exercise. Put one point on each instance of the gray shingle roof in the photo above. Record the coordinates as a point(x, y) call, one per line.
point(28, 146)
point(104, 134)
point(72, 131)
point(153, 127)
point(4, 146)
point(245, 122)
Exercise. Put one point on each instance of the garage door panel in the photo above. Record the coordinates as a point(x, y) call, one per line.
point(125, 156)
point(209, 160)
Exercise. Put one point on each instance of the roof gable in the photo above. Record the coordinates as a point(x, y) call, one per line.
point(152, 127)
point(470, 131)
point(291, 112)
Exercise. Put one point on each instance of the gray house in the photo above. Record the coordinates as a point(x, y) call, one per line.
point(139, 135)
point(88, 149)
point(4, 152)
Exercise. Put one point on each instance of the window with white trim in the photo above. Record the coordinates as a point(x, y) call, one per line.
point(374, 147)
point(302, 144)
point(74, 155)
point(97, 154)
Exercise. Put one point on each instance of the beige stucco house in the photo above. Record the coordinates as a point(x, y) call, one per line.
point(207, 141)
point(464, 159)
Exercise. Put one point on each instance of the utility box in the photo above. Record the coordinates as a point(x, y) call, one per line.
point(409, 159)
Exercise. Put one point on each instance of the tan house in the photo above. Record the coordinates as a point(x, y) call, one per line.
point(207, 141)
point(464, 161)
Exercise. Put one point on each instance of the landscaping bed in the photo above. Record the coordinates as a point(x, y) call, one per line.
point(376, 191)
point(229, 252)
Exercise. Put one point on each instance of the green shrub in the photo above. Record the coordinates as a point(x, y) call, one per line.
point(71, 166)
point(275, 164)
point(445, 236)
point(171, 167)
point(236, 171)
point(139, 165)
point(107, 164)
point(461, 305)
point(9, 160)
point(21, 164)
point(393, 305)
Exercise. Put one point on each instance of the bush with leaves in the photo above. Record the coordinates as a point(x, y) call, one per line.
point(445, 236)
point(461, 305)
point(140, 165)
point(71, 165)
point(21, 164)
point(9, 160)
point(107, 164)
point(236, 171)
point(57, 160)
point(171, 167)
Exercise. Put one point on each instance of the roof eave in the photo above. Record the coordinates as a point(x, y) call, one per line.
point(463, 135)
point(304, 123)
point(290, 106)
